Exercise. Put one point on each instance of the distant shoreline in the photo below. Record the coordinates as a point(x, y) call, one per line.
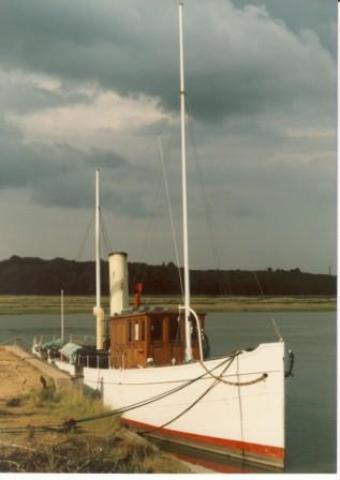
point(31, 304)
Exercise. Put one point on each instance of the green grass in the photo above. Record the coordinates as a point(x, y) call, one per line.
point(22, 304)
point(100, 446)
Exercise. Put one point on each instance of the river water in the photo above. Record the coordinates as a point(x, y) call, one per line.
point(310, 393)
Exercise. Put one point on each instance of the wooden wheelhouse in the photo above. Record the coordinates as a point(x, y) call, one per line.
point(149, 338)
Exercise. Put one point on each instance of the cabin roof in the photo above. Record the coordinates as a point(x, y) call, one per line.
point(150, 313)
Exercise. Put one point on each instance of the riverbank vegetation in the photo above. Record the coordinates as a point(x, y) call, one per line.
point(40, 304)
point(35, 276)
point(100, 446)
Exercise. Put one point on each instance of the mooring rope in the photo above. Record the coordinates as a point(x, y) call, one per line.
point(71, 423)
point(195, 402)
point(233, 384)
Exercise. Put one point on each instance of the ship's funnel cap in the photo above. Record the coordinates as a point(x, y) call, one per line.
point(118, 253)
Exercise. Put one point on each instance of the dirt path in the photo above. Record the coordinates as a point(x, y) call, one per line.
point(16, 375)
point(95, 447)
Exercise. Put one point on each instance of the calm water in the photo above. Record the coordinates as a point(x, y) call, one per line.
point(311, 393)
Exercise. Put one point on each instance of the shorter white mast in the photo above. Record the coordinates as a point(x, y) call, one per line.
point(62, 315)
point(188, 349)
point(97, 243)
point(98, 311)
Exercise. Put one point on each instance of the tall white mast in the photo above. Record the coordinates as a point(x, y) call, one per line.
point(97, 243)
point(188, 349)
point(98, 311)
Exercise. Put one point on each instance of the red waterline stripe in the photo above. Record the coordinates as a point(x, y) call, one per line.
point(264, 450)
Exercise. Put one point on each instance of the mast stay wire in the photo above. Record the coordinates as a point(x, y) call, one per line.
point(79, 255)
point(105, 235)
point(140, 272)
point(82, 245)
point(215, 249)
point(171, 218)
point(87, 232)
point(268, 311)
point(206, 206)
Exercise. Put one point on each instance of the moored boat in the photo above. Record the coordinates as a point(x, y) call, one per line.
point(161, 382)
point(158, 376)
point(231, 406)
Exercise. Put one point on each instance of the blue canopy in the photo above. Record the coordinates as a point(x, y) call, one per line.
point(70, 351)
point(56, 343)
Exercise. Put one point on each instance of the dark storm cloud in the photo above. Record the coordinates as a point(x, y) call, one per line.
point(317, 15)
point(59, 175)
point(84, 41)
point(21, 95)
point(261, 90)
point(77, 191)
point(132, 48)
point(98, 158)
point(62, 176)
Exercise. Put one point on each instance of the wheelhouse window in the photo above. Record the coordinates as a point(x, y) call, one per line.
point(137, 331)
point(174, 330)
point(142, 335)
point(156, 329)
point(193, 329)
point(130, 331)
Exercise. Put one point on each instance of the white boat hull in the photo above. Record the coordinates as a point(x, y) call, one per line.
point(240, 415)
point(66, 367)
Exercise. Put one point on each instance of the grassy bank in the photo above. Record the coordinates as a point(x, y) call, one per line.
point(99, 446)
point(19, 304)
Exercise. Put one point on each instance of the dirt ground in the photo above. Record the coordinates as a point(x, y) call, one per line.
point(20, 452)
point(18, 378)
point(16, 375)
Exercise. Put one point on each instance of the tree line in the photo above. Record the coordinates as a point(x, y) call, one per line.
point(35, 276)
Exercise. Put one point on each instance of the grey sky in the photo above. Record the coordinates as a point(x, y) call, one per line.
point(87, 84)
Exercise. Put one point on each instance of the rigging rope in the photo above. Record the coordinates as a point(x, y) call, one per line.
point(195, 402)
point(215, 249)
point(161, 154)
point(140, 270)
point(105, 236)
point(72, 423)
point(207, 211)
point(218, 379)
point(82, 245)
point(268, 311)
point(119, 411)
